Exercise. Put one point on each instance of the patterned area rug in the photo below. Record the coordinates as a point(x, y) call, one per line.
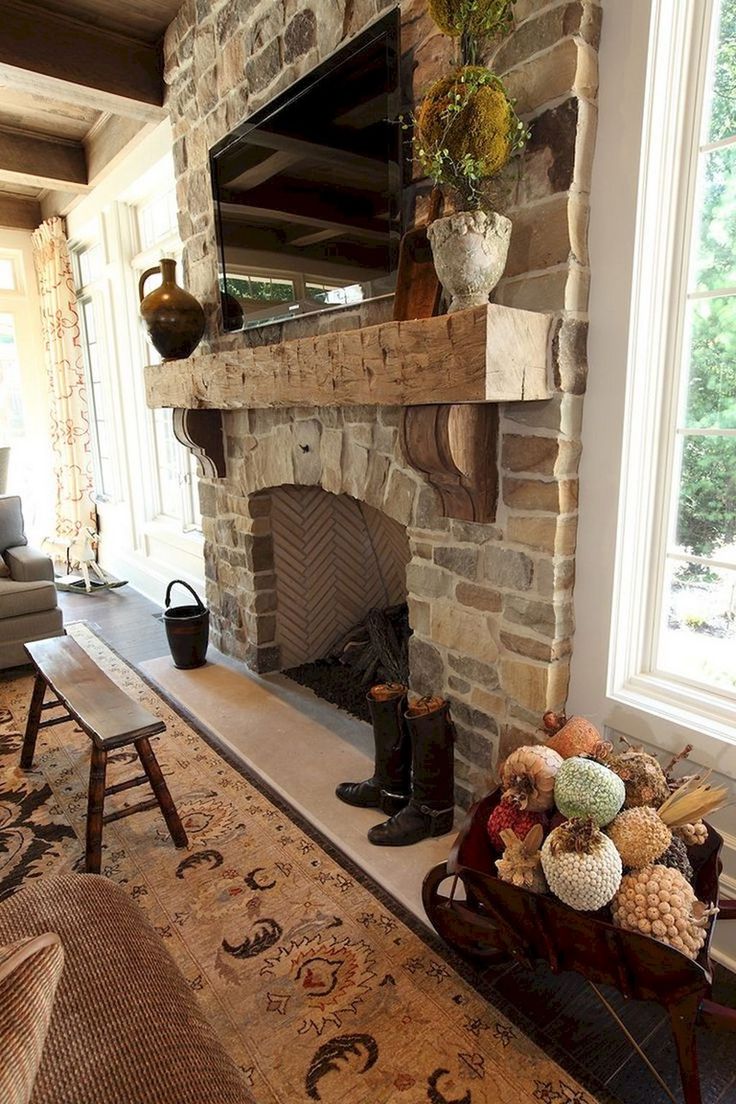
point(321, 988)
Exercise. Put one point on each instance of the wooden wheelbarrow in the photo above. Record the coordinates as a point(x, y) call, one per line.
point(497, 920)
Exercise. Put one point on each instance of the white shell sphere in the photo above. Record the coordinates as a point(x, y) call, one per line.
point(585, 788)
point(584, 882)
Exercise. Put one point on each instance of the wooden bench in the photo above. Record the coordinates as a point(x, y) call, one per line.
point(111, 720)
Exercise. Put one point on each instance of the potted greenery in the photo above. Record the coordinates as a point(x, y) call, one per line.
point(465, 132)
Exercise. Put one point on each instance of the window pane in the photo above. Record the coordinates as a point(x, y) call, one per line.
point(90, 264)
point(698, 638)
point(706, 516)
point(89, 322)
point(722, 121)
point(99, 428)
point(7, 274)
point(168, 452)
point(157, 219)
point(711, 389)
point(714, 261)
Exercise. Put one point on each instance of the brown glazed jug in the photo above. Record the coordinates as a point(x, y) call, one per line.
point(174, 319)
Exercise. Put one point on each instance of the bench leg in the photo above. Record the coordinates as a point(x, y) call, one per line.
point(32, 723)
point(161, 790)
point(682, 1020)
point(95, 808)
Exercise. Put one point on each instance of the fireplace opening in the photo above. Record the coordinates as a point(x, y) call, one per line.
point(342, 621)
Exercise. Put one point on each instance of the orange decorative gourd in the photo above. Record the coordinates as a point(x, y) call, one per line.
point(574, 737)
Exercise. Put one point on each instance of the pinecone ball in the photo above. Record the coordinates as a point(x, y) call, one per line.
point(528, 777)
point(657, 901)
point(581, 865)
point(677, 857)
point(507, 817)
point(585, 788)
point(642, 776)
point(640, 837)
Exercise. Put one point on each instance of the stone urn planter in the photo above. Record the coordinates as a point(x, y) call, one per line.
point(469, 250)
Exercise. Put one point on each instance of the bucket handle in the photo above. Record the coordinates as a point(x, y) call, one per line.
point(181, 582)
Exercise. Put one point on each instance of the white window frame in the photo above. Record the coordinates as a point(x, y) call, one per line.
point(190, 521)
point(642, 189)
point(680, 47)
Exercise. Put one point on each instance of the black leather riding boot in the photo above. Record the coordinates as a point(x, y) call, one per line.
point(431, 809)
point(389, 787)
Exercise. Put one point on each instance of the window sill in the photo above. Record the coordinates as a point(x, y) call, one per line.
point(170, 531)
point(656, 711)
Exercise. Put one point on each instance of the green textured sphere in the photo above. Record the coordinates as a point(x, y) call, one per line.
point(584, 788)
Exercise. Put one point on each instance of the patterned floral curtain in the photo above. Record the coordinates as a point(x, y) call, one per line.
point(70, 435)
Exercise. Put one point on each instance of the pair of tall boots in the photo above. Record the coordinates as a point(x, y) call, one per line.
point(413, 779)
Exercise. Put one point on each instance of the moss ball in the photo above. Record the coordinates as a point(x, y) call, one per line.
point(585, 788)
point(483, 17)
point(482, 129)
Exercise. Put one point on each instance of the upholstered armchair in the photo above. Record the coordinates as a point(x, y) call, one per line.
point(28, 607)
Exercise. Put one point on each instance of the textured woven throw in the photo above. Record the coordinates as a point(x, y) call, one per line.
point(29, 974)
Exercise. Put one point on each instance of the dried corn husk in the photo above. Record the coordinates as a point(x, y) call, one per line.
point(692, 801)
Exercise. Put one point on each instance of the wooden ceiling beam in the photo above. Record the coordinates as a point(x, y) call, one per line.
point(62, 58)
point(109, 142)
point(17, 213)
point(42, 162)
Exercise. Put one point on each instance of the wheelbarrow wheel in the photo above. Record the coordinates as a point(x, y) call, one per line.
point(458, 922)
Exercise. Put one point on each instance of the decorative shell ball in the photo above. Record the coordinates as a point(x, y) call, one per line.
point(642, 776)
point(585, 788)
point(677, 857)
point(657, 901)
point(692, 835)
point(528, 777)
point(581, 865)
point(509, 817)
point(640, 837)
point(521, 860)
point(575, 737)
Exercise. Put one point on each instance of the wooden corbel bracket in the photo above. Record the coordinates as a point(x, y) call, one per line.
point(201, 431)
point(455, 447)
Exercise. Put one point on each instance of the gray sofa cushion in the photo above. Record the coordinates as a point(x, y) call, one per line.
point(17, 631)
point(11, 523)
point(18, 599)
point(28, 565)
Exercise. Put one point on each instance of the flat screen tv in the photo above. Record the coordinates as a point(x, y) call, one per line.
point(308, 189)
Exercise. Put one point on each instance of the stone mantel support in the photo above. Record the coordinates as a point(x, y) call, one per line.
point(448, 373)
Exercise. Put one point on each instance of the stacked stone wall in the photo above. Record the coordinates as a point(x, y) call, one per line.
point(491, 605)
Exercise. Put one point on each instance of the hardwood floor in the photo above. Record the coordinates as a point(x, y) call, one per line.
point(127, 621)
point(561, 1013)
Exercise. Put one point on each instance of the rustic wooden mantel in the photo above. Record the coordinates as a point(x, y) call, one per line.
point(449, 372)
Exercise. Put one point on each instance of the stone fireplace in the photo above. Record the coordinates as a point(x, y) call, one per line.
point(490, 603)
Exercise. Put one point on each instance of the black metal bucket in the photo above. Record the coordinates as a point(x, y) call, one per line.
point(187, 630)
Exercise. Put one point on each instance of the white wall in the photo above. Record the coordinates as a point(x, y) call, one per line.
point(615, 186)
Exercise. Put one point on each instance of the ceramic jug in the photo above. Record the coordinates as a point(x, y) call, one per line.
point(173, 318)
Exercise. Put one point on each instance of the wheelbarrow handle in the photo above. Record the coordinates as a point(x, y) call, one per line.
point(193, 592)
